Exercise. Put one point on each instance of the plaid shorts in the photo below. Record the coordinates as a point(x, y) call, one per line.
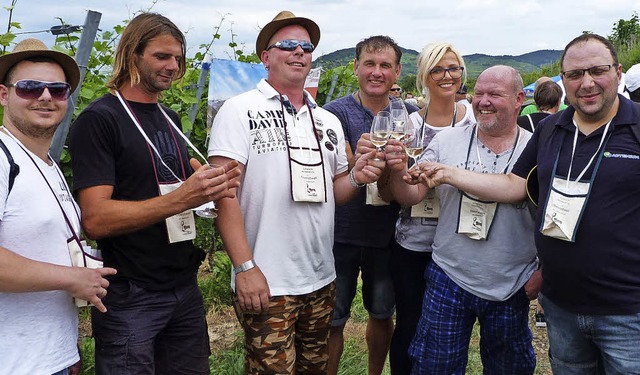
point(441, 343)
point(291, 337)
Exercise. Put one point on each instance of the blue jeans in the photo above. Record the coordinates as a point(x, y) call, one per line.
point(591, 344)
point(151, 332)
point(62, 372)
point(377, 288)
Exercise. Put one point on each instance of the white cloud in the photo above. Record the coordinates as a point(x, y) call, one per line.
point(473, 26)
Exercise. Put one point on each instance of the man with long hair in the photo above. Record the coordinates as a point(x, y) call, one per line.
point(137, 188)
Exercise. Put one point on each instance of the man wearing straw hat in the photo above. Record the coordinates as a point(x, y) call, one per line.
point(137, 188)
point(38, 319)
point(278, 232)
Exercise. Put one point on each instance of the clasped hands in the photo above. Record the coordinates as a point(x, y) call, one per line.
point(428, 173)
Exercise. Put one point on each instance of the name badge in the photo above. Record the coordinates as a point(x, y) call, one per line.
point(373, 197)
point(564, 209)
point(475, 217)
point(429, 207)
point(182, 226)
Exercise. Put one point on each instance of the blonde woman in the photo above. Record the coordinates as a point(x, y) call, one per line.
point(441, 72)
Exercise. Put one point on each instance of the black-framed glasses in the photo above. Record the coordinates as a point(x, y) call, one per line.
point(292, 44)
point(437, 74)
point(395, 89)
point(32, 89)
point(595, 72)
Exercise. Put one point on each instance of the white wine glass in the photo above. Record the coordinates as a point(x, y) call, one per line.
point(380, 129)
point(399, 119)
point(413, 144)
point(208, 210)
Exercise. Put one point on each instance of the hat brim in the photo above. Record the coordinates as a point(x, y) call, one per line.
point(68, 64)
point(272, 27)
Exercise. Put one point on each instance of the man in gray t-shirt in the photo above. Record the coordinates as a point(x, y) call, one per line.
point(484, 257)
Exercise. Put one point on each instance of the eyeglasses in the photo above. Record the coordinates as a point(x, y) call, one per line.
point(595, 72)
point(437, 74)
point(292, 44)
point(31, 89)
point(395, 89)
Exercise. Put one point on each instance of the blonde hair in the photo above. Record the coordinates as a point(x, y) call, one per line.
point(431, 54)
point(134, 40)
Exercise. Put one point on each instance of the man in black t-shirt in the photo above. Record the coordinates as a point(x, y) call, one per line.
point(137, 187)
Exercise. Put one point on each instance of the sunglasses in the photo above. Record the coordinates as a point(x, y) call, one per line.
point(32, 90)
point(398, 89)
point(292, 44)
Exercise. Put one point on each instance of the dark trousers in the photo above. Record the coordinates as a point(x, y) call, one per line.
point(151, 332)
point(407, 273)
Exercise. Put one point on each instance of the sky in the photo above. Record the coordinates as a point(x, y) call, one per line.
point(492, 27)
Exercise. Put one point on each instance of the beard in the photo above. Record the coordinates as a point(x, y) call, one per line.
point(29, 129)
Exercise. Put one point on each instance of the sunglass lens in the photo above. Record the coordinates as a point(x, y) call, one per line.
point(59, 91)
point(31, 89)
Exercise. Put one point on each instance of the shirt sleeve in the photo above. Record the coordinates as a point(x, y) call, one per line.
point(229, 134)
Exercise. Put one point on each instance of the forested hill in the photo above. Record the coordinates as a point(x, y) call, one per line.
point(476, 63)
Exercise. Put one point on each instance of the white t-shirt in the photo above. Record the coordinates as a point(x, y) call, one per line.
point(39, 330)
point(291, 241)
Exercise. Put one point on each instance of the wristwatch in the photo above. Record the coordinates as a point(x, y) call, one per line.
point(246, 266)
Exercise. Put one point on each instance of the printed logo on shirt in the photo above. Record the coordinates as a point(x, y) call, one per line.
point(333, 137)
point(608, 154)
point(329, 146)
point(266, 129)
point(320, 135)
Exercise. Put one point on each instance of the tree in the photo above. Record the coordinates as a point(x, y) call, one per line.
point(626, 33)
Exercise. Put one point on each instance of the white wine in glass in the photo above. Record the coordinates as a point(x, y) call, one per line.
point(380, 129)
point(399, 118)
point(413, 144)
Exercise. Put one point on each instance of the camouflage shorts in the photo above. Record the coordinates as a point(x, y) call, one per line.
point(291, 335)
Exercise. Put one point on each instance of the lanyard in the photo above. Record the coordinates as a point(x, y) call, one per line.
point(474, 134)
point(146, 138)
point(424, 119)
point(62, 180)
point(573, 151)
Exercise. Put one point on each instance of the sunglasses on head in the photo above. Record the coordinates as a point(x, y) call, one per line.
point(292, 44)
point(31, 89)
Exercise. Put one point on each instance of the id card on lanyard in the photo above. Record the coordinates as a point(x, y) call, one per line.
point(182, 226)
point(429, 207)
point(306, 162)
point(567, 199)
point(475, 216)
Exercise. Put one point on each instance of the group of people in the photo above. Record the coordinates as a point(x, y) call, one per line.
point(306, 203)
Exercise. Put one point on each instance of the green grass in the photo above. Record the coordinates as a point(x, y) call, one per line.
point(214, 284)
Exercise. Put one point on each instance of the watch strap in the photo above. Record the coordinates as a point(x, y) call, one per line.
point(246, 266)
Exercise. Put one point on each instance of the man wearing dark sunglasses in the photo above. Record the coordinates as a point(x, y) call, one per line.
point(137, 188)
point(39, 321)
point(278, 232)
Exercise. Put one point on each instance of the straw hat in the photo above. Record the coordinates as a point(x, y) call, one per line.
point(30, 48)
point(285, 18)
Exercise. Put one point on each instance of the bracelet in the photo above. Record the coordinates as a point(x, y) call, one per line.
point(246, 266)
point(352, 179)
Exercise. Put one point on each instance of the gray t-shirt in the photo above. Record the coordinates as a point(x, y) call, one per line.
point(496, 268)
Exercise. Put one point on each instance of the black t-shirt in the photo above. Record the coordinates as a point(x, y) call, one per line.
point(107, 149)
point(598, 273)
point(523, 121)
